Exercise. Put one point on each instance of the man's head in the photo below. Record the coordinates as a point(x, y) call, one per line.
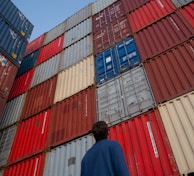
point(100, 130)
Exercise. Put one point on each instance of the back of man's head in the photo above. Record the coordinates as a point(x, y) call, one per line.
point(100, 130)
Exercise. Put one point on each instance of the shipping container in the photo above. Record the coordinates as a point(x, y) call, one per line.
point(11, 44)
point(79, 16)
point(12, 111)
point(50, 49)
point(66, 159)
point(46, 70)
point(75, 79)
point(28, 62)
point(99, 5)
point(180, 3)
point(171, 74)
point(110, 34)
point(39, 98)
point(83, 48)
point(2, 103)
point(55, 32)
point(16, 19)
point(6, 140)
point(162, 35)
point(145, 144)
point(21, 84)
point(1, 172)
point(34, 45)
point(149, 13)
point(124, 97)
point(107, 15)
point(33, 166)
point(177, 117)
point(78, 32)
point(131, 5)
point(187, 12)
point(117, 59)
point(31, 137)
point(72, 117)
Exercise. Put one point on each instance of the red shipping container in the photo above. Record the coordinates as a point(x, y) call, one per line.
point(163, 35)
point(171, 74)
point(51, 49)
point(31, 136)
point(149, 13)
point(72, 117)
point(34, 45)
point(21, 84)
point(145, 144)
point(39, 98)
point(2, 104)
point(31, 167)
point(188, 13)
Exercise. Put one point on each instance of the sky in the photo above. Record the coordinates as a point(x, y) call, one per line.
point(46, 14)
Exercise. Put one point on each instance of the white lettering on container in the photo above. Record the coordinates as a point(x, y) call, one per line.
point(173, 22)
point(36, 165)
point(44, 122)
point(160, 3)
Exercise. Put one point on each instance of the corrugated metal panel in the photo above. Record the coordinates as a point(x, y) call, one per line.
point(39, 98)
point(131, 5)
point(28, 62)
point(14, 17)
point(76, 52)
point(75, 78)
point(51, 49)
point(7, 75)
point(124, 97)
point(33, 167)
point(187, 12)
point(79, 16)
point(34, 45)
point(100, 5)
point(76, 33)
point(157, 38)
point(31, 137)
point(177, 116)
point(66, 159)
point(149, 13)
point(110, 34)
point(12, 111)
point(180, 3)
point(145, 145)
point(6, 140)
point(46, 70)
point(11, 44)
point(21, 84)
point(171, 73)
point(73, 117)
point(117, 59)
point(55, 32)
point(107, 15)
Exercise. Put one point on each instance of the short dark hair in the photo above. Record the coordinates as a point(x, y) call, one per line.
point(100, 130)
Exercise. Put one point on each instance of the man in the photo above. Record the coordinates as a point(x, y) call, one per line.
point(105, 157)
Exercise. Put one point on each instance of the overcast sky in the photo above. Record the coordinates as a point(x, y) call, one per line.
point(46, 14)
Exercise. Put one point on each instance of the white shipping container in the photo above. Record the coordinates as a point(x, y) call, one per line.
point(46, 70)
point(99, 5)
point(79, 16)
point(124, 96)
point(78, 32)
point(75, 78)
point(76, 52)
point(12, 111)
point(66, 159)
point(180, 3)
point(178, 119)
point(6, 140)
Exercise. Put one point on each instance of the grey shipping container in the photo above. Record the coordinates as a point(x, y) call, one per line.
point(124, 97)
point(180, 3)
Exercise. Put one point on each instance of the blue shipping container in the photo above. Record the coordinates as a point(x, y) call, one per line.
point(121, 57)
point(15, 18)
point(28, 62)
point(11, 44)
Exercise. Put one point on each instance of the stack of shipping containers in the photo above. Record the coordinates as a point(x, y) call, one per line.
point(129, 63)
